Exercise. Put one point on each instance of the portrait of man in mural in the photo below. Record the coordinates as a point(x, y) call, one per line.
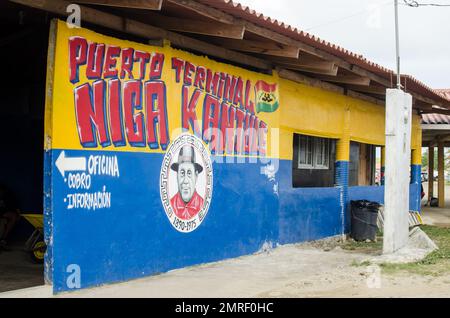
point(186, 202)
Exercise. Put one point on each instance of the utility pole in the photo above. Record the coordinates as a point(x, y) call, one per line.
point(397, 160)
point(397, 45)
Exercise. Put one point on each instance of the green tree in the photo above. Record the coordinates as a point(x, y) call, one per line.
point(447, 159)
point(425, 159)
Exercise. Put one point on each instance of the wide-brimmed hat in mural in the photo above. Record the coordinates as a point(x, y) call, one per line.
point(187, 154)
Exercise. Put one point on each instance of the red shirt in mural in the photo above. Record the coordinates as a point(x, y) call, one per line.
point(186, 211)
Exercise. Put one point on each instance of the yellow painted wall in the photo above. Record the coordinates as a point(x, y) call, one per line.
point(302, 109)
point(317, 112)
point(61, 128)
point(416, 141)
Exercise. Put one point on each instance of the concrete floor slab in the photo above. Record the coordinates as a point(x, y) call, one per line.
point(287, 271)
point(436, 216)
point(17, 270)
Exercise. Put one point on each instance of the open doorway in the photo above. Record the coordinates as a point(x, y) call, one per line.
point(365, 165)
point(23, 56)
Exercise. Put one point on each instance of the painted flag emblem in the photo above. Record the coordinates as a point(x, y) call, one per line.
point(266, 97)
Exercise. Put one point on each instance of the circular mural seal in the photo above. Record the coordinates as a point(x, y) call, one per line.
point(186, 182)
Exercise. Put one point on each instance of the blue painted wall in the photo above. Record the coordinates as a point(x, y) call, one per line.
point(371, 193)
point(134, 238)
point(342, 180)
point(376, 193)
point(306, 213)
point(48, 216)
point(416, 187)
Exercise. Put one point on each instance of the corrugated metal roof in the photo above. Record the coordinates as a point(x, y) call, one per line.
point(435, 119)
point(237, 10)
point(444, 92)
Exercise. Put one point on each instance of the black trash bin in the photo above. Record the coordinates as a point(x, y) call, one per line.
point(364, 220)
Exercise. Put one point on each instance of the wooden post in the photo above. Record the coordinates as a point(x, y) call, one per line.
point(441, 179)
point(430, 172)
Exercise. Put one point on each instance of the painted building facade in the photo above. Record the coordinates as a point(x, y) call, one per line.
point(157, 159)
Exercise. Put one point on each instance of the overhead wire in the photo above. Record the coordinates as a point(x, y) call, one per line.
point(416, 4)
point(409, 3)
point(346, 17)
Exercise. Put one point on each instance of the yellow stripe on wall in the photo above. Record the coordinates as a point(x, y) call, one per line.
point(316, 112)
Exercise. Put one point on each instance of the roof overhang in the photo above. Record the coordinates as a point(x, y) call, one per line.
point(230, 32)
point(434, 127)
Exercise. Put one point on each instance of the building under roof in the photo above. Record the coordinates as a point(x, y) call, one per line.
point(306, 116)
point(228, 31)
point(436, 133)
point(436, 126)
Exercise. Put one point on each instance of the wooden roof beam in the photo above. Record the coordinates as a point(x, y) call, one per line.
point(427, 100)
point(324, 69)
point(316, 52)
point(436, 111)
point(423, 107)
point(198, 27)
point(307, 64)
point(366, 98)
point(305, 61)
point(205, 10)
point(302, 79)
point(132, 4)
point(121, 24)
point(346, 79)
point(266, 48)
point(368, 89)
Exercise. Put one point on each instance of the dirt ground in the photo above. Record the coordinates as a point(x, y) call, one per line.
point(302, 270)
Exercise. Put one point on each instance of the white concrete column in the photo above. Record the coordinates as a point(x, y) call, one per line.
point(397, 161)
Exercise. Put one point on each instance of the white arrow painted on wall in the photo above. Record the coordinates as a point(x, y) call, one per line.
point(64, 163)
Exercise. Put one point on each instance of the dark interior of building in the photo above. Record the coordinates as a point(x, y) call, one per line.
point(24, 36)
point(23, 56)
